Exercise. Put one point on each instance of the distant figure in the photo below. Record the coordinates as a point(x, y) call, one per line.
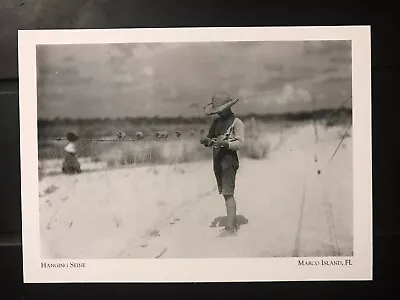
point(164, 134)
point(139, 135)
point(226, 136)
point(71, 164)
point(121, 135)
point(157, 135)
point(178, 134)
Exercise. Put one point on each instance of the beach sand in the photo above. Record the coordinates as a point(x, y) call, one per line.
point(284, 206)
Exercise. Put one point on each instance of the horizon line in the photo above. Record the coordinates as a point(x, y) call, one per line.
point(243, 115)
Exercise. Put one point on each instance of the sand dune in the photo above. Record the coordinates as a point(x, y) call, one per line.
point(285, 207)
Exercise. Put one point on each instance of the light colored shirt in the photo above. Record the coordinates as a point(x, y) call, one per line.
point(70, 148)
point(236, 138)
point(230, 129)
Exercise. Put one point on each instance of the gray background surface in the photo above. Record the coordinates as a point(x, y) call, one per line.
point(59, 14)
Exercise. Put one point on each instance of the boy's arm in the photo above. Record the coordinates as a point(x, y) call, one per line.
point(207, 141)
point(238, 142)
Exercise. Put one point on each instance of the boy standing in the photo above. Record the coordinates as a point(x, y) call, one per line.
point(226, 136)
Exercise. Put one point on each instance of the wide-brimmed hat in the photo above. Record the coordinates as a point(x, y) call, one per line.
point(72, 137)
point(219, 102)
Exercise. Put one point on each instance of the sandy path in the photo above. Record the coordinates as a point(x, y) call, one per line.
point(138, 213)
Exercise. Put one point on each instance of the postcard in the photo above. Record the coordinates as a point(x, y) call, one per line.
point(196, 154)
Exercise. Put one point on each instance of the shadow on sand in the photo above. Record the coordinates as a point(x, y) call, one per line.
point(222, 221)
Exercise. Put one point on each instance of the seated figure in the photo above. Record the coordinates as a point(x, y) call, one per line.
point(71, 164)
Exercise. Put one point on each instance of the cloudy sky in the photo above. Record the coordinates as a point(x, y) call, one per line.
point(118, 80)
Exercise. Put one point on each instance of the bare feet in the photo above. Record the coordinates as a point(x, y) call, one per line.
point(228, 232)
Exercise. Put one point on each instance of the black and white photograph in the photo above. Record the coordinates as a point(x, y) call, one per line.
point(196, 147)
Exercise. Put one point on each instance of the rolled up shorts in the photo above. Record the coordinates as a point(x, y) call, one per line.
point(225, 175)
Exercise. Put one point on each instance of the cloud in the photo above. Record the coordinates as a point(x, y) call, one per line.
point(303, 72)
point(341, 60)
point(270, 84)
point(340, 79)
point(124, 50)
point(328, 70)
point(279, 81)
point(68, 58)
point(148, 71)
point(273, 67)
point(61, 79)
point(243, 93)
point(291, 95)
point(327, 47)
point(179, 78)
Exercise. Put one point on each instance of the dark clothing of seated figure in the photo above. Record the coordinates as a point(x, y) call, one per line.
point(71, 164)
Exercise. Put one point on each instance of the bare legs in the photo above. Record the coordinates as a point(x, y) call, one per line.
point(230, 203)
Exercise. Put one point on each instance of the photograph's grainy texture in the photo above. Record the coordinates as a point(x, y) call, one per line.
point(195, 150)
